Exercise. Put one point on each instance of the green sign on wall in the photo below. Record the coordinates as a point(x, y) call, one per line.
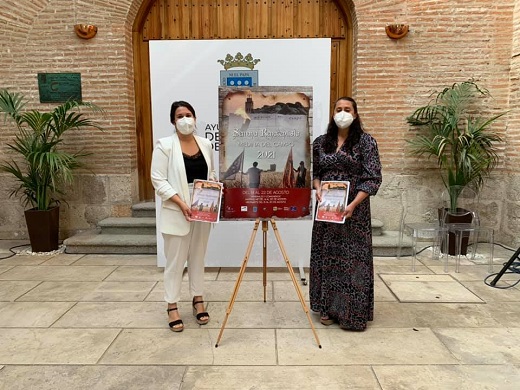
point(59, 87)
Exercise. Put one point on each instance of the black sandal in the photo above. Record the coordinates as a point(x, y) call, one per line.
point(326, 320)
point(198, 316)
point(176, 322)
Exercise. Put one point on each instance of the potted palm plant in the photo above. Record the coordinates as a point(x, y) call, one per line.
point(40, 166)
point(452, 130)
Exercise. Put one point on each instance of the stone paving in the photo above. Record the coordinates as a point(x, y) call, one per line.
point(72, 321)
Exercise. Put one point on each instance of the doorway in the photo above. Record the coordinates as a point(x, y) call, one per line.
point(238, 19)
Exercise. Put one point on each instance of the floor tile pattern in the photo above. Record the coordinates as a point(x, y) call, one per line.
point(99, 322)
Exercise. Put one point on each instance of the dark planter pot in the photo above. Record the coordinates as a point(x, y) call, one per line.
point(43, 227)
point(465, 217)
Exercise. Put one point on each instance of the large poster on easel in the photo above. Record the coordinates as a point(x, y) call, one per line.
point(263, 132)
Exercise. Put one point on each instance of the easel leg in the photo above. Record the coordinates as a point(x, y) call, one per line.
point(302, 276)
point(293, 278)
point(265, 228)
point(505, 267)
point(239, 280)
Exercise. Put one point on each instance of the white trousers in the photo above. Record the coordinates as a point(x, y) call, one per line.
point(178, 250)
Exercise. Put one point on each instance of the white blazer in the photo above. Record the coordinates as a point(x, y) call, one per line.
point(168, 175)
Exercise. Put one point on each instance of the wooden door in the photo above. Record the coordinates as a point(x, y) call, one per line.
point(238, 19)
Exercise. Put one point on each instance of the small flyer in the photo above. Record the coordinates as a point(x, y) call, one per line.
point(334, 198)
point(206, 199)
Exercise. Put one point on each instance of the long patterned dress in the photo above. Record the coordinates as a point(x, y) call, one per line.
point(341, 265)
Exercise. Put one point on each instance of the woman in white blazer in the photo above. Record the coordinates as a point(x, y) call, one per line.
point(176, 161)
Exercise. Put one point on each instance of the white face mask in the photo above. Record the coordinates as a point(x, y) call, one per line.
point(343, 119)
point(185, 125)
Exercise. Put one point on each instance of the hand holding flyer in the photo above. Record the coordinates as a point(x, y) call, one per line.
point(206, 199)
point(334, 199)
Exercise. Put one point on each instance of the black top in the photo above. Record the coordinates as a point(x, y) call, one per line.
point(196, 167)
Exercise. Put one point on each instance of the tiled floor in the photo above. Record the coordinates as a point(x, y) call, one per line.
point(98, 322)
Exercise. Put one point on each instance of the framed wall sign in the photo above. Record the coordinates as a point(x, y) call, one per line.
point(59, 87)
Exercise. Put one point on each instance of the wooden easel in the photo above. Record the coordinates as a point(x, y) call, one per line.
point(265, 228)
point(506, 266)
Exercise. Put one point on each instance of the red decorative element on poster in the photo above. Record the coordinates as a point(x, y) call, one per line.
point(263, 130)
point(288, 172)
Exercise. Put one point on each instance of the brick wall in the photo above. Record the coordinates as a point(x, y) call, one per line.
point(449, 41)
point(38, 36)
point(510, 216)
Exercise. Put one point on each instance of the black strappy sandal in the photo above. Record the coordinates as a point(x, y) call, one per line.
point(198, 316)
point(326, 320)
point(176, 322)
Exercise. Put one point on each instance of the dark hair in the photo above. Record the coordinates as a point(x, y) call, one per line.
point(356, 129)
point(255, 164)
point(177, 104)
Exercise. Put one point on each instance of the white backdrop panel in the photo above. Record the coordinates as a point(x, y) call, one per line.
point(188, 70)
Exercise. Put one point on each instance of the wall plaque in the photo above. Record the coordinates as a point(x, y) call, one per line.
point(59, 87)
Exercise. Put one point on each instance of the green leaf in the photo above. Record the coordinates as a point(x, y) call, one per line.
point(462, 142)
point(39, 165)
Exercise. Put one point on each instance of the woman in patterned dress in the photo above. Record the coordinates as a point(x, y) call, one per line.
point(341, 265)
